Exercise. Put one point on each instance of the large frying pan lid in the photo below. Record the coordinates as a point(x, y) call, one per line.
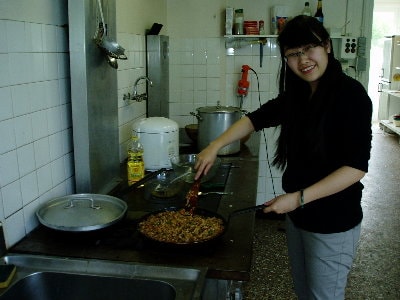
point(81, 212)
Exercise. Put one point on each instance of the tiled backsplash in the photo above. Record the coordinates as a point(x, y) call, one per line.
point(36, 160)
point(201, 74)
point(128, 71)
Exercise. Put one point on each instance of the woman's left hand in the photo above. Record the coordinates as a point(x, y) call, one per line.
point(283, 203)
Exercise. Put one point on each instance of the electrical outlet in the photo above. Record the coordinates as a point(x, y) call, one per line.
point(348, 47)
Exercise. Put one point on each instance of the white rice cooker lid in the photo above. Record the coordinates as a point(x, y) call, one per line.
point(155, 125)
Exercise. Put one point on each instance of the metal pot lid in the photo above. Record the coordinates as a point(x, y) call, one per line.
point(218, 109)
point(81, 212)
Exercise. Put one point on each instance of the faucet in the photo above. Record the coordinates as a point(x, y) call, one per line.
point(135, 95)
point(137, 81)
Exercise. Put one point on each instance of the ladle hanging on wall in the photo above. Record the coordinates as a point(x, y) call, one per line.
point(111, 49)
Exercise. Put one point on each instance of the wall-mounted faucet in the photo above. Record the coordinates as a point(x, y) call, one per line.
point(135, 96)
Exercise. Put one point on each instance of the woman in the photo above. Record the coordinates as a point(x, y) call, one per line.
point(323, 147)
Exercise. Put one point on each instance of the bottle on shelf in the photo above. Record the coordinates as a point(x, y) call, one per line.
point(261, 28)
point(306, 10)
point(135, 164)
point(274, 27)
point(319, 14)
point(239, 22)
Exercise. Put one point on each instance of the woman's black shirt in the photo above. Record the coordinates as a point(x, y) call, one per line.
point(342, 128)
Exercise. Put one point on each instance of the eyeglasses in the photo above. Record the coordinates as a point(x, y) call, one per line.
point(307, 51)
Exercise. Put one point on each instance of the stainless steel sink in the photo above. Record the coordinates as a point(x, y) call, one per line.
point(45, 277)
point(60, 286)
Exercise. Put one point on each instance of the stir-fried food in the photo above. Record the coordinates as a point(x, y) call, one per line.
point(180, 228)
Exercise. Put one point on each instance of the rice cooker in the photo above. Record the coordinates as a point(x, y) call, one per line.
point(159, 137)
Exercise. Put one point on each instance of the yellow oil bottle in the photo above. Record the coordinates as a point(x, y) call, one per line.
point(135, 164)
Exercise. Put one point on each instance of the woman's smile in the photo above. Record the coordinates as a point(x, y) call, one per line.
point(307, 69)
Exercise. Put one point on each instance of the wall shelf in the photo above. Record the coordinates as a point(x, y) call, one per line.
point(239, 41)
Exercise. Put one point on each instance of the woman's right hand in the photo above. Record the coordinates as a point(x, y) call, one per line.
point(207, 157)
point(205, 160)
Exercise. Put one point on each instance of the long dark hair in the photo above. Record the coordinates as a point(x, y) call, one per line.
point(295, 92)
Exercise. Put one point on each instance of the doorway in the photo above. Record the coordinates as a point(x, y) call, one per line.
point(386, 22)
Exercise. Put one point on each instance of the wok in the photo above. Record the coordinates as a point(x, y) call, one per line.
point(200, 212)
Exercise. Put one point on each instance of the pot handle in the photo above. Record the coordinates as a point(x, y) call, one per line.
point(198, 117)
point(92, 205)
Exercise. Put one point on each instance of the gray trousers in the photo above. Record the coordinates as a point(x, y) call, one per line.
point(319, 262)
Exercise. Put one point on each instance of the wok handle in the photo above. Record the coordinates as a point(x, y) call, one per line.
point(246, 210)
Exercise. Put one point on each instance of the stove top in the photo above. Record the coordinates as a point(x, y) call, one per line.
point(124, 235)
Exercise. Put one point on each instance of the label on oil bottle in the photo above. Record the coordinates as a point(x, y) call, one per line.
point(135, 171)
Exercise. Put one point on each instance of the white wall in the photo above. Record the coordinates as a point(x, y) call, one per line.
point(134, 17)
point(35, 125)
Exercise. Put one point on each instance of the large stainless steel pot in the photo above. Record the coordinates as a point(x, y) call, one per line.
point(213, 121)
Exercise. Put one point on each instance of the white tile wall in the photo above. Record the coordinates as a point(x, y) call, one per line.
point(201, 74)
point(36, 160)
point(128, 71)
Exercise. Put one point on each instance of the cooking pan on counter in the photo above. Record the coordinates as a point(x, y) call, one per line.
point(146, 230)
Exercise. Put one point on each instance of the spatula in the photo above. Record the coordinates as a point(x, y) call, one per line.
point(192, 196)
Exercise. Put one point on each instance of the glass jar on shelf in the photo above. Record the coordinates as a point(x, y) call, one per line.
point(239, 22)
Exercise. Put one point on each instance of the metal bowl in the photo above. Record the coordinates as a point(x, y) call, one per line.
point(165, 185)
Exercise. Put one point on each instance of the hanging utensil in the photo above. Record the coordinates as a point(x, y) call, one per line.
point(262, 43)
point(112, 61)
point(111, 48)
point(98, 35)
